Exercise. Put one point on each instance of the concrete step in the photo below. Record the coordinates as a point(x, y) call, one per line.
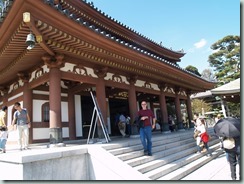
point(176, 164)
point(184, 170)
point(137, 157)
point(157, 143)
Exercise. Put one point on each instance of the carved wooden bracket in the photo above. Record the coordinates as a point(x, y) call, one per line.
point(56, 61)
point(25, 77)
point(101, 73)
point(132, 79)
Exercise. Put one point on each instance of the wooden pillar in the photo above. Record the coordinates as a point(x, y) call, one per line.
point(5, 90)
point(101, 98)
point(163, 108)
point(189, 111)
point(132, 102)
point(178, 111)
point(71, 112)
point(27, 100)
point(55, 124)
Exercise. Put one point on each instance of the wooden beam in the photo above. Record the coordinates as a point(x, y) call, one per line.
point(30, 22)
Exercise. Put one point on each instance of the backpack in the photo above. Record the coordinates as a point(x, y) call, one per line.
point(139, 123)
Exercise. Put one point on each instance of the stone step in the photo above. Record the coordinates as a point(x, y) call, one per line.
point(158, 155)
point(171, 152)
point(159, 150)
point(192, 166)
point(156, 136)
point(183, 160)
point(174, 141)
point(143, 168)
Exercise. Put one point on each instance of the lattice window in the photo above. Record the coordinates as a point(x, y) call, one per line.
point(45, 112)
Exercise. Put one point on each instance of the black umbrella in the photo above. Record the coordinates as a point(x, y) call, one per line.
point(228, 127)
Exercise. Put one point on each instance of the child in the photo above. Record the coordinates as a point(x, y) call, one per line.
point(3, 140)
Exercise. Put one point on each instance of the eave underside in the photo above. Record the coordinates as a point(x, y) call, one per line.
point(82, 46)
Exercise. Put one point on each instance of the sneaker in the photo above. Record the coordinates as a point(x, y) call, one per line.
point(20, 149)
point(204, 150)
point(209, 155)
point(145, 152)
point(149, 154)
point(26, 148)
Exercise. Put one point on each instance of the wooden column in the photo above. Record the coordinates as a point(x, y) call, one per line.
point(5, 90)
point(189, 111)
point(132, 102)
point(163, 108)
point(55, 124)
point(71, 112)
point(178, 111)
point(27, 100)
point(101, 97)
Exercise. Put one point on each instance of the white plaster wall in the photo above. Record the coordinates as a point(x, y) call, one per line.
point(43, 133)
point(40, 133)
point(37, 109)
point(78, 117)
point(64, 112)
point(65, 132)
point(70, 66)
point(9, 114)
point(139, 83)
point(15, 96)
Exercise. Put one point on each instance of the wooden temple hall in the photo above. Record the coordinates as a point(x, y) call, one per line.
point(54, 52)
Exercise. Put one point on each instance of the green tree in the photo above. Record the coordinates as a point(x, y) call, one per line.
point(226, 59)
point(193, 69)
point(200, 106)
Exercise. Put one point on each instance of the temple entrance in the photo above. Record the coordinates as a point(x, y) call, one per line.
point(117, 106)
point(87, 106)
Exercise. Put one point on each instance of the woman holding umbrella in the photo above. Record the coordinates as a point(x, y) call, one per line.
point(229, 130)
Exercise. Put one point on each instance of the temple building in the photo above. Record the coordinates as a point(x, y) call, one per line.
point(54, 52)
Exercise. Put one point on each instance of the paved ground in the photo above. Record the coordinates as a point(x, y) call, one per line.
point(217, 169)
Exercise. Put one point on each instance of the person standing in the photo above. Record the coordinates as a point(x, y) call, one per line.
point(128, 125)
point(234, 158)
point(122, 125)
point(23, 123)
point(145, 131)
point(3, 129)
point(204, 137)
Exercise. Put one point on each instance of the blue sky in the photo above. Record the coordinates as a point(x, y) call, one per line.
point(191, 25)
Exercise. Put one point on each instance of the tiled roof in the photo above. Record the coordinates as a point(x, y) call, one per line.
point(229, 88)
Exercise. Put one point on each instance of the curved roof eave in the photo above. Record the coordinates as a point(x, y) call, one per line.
point(229, 88)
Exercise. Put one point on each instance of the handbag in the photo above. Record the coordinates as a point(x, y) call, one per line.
point(196, 134)
point(121, 125)
point(228, 143)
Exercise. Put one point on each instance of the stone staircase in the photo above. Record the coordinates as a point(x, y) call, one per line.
point(174, 154)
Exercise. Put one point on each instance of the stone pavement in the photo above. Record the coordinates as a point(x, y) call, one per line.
point(217, 169)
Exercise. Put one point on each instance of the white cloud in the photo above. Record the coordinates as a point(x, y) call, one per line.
point(200, 44)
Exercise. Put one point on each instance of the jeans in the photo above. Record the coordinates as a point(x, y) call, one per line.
point(146, 138)
point(234, 158)
point(3, 143)
point(128, 128)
